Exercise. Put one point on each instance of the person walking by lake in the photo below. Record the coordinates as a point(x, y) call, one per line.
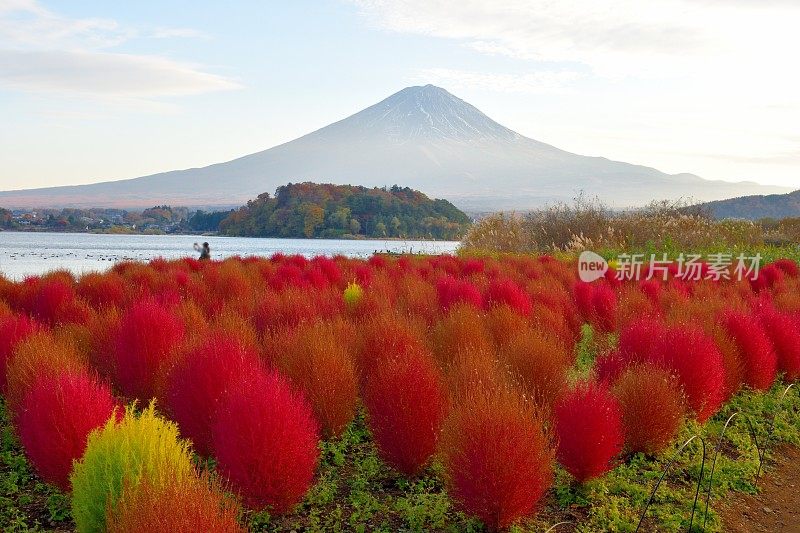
point(205, 251)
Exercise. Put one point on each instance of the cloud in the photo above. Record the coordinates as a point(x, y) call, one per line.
point(567, 30)
point(756, 4)
point(104, 74)
point(26, 24)
point(168, 33)
point(785, 158)
point(532, 83)
point(628, 38)
point(43, 52)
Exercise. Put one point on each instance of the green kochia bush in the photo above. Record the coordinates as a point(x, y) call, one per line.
point(118, 455)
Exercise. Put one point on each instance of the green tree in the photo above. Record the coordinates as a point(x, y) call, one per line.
point(6, 218)
point(340, 218)
point(325, 210)
point(314, 216)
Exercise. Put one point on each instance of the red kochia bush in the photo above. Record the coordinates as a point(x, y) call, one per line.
point(588, 424)
point(146, 338)
point(316, 358)
point(185, 507)
point(329, 268)
point(538, 362)
point(265, 440)
point(416, 297)
point(610, 365)
point(634, 304)
point(637, 343)
point(504, 324)
point(297, 260)
point(50, 296)
point(462, 329)
point(731, 362)
point(789, 267)
point(364, 275)
point(755, 349)
point(58, 412)
point(102, 290)
point(767, 278)
point(497, 457)
point(12, 330)
point(384, 336)
point(597, 303)
point(605, 307)
point(457, 291)
point(697, 362)
point(652, 408)
point(652, 288)
point(784, 332)
point(293, 306)
point(316, 278)
point(583, 294)
point(507, 292)
point(287, 275)
point(41, 353)
point(196, 383)
point(406, 402)
point(638, 340)
point(53, 302)
point(378, 262)
point(473, 266)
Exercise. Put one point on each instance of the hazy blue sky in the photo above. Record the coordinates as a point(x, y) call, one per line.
point(98, 90)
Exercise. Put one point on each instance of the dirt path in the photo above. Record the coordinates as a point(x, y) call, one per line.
point(776, 509)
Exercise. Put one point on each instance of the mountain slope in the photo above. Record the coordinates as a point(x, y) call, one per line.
point(421, 137)
point(756, 207)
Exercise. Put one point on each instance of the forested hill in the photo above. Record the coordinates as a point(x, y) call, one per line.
point(757, 207)
point(308, 210)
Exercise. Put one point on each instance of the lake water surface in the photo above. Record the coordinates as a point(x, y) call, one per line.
point(25, 254)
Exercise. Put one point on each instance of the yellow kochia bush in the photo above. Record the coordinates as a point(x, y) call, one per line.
point(353, 294)
point(118, 456)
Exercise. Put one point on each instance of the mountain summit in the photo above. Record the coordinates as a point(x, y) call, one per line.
point(421, 113)
point(421, 137)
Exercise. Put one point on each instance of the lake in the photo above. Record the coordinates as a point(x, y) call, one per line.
point(25, 254)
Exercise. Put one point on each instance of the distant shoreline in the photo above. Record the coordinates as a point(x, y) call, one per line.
point(219, 235)
point(107, 232)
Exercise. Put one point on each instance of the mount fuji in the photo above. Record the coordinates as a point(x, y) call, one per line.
point(421, 137)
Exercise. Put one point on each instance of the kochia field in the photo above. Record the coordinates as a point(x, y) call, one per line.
point(194, 396)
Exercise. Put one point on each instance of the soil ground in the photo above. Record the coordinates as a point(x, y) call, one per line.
point(776, 509)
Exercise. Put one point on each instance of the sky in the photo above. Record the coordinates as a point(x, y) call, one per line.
point(95, 90)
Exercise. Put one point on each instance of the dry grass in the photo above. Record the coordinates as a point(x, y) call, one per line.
point(588, 224)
